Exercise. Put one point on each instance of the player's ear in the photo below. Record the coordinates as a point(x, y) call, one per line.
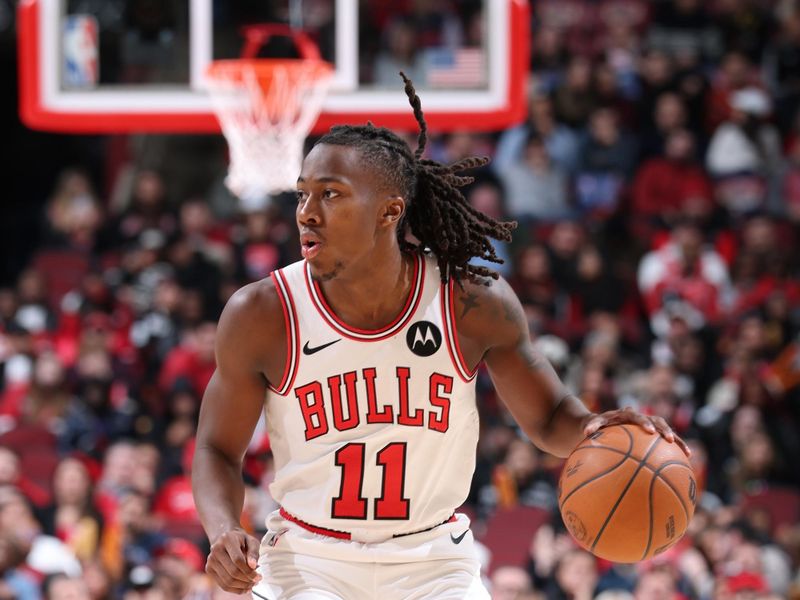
point(393, 210)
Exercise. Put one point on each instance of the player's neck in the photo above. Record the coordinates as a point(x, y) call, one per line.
point(373, 295)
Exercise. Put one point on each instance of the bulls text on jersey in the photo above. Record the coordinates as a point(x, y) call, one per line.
point(337, 402)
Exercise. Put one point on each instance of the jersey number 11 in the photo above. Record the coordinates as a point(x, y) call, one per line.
point(350, 504)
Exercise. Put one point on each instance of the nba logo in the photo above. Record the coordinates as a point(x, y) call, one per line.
point(80, 51)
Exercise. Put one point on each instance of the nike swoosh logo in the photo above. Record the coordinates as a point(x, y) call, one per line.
point(457, 540)
point(308, 350)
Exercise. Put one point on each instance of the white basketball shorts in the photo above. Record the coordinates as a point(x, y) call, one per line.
point(438, 564)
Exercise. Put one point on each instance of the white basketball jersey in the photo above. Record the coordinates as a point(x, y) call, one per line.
point(373, 432)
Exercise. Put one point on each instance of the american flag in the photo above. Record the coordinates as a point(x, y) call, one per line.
point(456, 67)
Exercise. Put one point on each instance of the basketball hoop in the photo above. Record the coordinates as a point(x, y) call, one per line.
point(266, 108)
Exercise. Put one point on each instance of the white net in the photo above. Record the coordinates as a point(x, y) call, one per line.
point(266, 108)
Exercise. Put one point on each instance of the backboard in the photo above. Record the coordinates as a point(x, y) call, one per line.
point(103, 66)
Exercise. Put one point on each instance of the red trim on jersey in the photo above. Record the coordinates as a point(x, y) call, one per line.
point(367, 335)
point(339, 535)
point(451, 334)
point(292, 334)
point(460, 356)
point(344, 535)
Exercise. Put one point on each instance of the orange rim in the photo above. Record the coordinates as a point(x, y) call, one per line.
point(265, 68)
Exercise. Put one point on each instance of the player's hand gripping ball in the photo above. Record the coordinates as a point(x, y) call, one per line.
point(626, 494)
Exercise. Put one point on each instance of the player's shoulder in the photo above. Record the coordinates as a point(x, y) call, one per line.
point(253, 308)
point(488, 310)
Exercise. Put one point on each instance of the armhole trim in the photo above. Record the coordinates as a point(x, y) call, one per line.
point(451, 334)
point(292, 334)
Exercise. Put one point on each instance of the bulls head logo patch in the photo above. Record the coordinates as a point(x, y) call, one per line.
point(423, 338)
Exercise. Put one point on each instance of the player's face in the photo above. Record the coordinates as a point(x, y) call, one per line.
point(338, 210)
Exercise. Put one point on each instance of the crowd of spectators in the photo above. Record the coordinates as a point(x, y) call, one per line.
point(656, 182)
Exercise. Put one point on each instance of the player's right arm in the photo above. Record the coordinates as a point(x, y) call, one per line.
point(250, 347)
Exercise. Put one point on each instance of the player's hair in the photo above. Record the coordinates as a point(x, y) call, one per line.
point(437, 214)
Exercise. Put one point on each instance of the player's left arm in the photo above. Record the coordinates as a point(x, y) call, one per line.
point(492, 326)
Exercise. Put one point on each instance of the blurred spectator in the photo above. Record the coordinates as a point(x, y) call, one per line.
point(783, 60)
point(72, 517)
point(656, 76)
point(550, 544)
point(622, 49)
point(573, 99)
point(614, 595)
point(510, 583)
point(193, 361)
point(401, 53)
point(118, 475)
point(683, 279)
point(607, 159)
point(130, 539)
point(34, 312)
point(487, 196)
point(562, 143)
point(73, 214)
point(436, 23)
point(257, 244)
point(15, 582)
point(746, 26)
point(790, 191)
point(684, 27)
point(64, 587)
point(671, 185)
point(575, 577)
point(537, 189)
point(47, 397)
point(537, 287)
point(147, 210)
point(744, 154)
point(597, 289)
point(195, 271)
point(521, 479)
point(206, 237)
point(549, 56)
point(11, 473)
point(174, 501)
point(670, 116)
point(566, 240)
point(179, 568)
point(735, 73)
point(609, 92)
point(657, 584)
point(98, 580)
point(93, 419)
point(44, 554)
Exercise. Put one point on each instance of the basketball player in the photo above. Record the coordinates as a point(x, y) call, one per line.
point(363, 358)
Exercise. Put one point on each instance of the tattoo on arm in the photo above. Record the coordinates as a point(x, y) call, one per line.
point(469, 301)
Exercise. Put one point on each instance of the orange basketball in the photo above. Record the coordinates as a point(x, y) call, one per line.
point(626, 495)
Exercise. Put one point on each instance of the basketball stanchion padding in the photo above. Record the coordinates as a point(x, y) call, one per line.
point(266, 107)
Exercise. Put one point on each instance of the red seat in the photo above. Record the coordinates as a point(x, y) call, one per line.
point(781, 504)
point(24, 438)
point(509, 533)
point(62, 271)
point(38, 466)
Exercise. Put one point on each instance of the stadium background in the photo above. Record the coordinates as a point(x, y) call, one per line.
point(657, 186)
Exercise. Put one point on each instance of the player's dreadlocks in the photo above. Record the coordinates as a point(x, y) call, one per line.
point(437, 213)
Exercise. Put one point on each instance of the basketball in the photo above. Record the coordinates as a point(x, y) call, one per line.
point(625, 494)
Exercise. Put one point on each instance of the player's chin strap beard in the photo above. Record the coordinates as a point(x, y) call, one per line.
point(333, 274)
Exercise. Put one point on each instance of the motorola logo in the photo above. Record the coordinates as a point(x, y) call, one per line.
point(423, 338)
